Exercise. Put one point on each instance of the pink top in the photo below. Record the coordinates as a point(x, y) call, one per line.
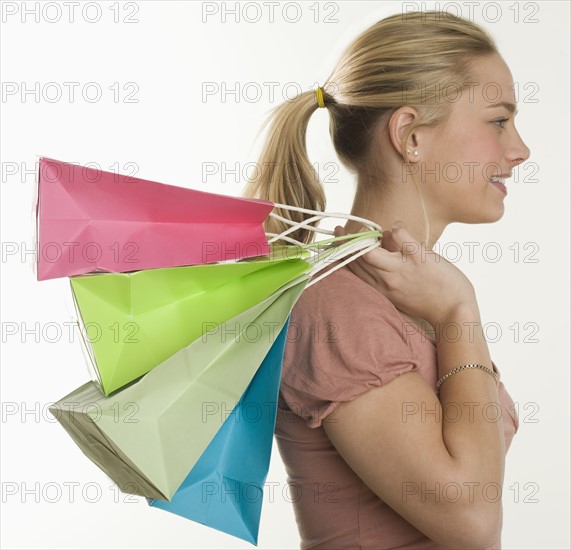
point(345, 338)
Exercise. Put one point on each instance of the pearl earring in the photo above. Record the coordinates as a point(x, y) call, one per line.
point(415, 153)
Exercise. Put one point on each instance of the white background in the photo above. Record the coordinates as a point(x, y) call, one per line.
point(169, 51)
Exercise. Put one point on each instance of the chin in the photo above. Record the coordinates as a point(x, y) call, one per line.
point(488, 216)
point(493, 216)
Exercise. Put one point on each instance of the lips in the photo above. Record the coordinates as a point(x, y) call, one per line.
point(499, 181)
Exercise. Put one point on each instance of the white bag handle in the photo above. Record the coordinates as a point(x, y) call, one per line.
point(360, 243)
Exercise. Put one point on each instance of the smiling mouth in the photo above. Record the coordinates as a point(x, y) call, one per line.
point(499, 182)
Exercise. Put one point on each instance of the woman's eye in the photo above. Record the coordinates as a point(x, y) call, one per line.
point(501, 122)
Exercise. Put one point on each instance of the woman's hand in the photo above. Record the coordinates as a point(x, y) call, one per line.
point(419, 282)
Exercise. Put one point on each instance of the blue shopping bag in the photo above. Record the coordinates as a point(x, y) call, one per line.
point(224, 489)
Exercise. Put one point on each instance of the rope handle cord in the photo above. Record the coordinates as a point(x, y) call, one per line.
point(358, 243)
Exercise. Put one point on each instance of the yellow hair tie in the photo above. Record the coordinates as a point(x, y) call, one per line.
point(319, 94)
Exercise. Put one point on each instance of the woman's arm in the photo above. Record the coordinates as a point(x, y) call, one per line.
point(437, 463)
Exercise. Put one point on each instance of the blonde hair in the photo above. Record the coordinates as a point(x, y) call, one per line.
point(400, 60)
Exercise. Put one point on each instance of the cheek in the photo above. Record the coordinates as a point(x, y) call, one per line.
point(479, 157)
point(459, 166)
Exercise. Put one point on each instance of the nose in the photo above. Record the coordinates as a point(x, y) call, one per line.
point(519, 152)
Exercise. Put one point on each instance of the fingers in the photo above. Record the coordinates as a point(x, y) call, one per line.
point(399, 239)
point(371, 277)
point(388, 242)
point(381, 259)
point(339, 231)
point(378, 258)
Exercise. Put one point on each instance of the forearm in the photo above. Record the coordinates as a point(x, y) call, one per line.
point(472, 428)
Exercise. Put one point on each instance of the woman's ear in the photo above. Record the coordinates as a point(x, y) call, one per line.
point(398, 126)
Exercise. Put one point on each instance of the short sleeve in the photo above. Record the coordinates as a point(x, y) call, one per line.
point(344, 338)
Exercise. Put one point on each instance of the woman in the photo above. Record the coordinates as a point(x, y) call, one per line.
point(422, 112)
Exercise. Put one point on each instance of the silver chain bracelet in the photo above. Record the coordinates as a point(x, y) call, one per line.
point(462, 367)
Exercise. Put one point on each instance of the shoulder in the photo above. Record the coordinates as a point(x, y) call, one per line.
point(342, 297)
point(343, 327)
point(344, 338)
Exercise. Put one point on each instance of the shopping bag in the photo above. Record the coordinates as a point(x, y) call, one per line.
point(148, 436)
point(134, 321)
point(89, 220)
point(224, 489)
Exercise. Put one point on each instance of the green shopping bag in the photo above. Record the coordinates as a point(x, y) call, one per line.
point(135, 321)
point(148, 436)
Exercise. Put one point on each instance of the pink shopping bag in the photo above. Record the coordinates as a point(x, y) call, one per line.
point(89, 220)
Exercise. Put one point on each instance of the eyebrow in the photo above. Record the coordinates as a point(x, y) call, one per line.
point(509, 106)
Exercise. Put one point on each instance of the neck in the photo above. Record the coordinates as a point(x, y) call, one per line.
point(403, 205)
